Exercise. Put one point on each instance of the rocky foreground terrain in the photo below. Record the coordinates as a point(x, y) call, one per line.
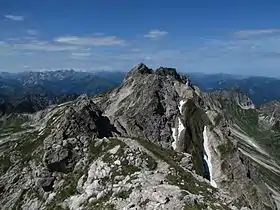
point(155, 142)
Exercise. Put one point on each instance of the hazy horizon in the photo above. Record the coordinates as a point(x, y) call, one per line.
point(124, 72)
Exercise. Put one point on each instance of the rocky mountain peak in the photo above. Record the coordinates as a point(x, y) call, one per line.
point(139, 69)
point(165, 71)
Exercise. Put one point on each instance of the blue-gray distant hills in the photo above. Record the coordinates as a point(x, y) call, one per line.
point(260, 89)
point(32, 91)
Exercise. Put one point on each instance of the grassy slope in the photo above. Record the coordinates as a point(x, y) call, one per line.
point(267, 139)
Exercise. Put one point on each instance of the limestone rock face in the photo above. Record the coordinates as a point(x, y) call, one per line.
point(45, 180)
point(155, 142)
point(80, 122)
point(146, 105)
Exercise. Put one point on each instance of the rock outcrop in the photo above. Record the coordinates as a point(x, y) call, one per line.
point(80, 122)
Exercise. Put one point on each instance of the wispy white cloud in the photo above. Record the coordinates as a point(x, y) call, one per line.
point(98, 34)
point(20, 39)
point(136, 50)
point(13, 39)
point(155, 33)
point(256, 32)
point(29, 53)
point(81, 54)
point(14, 17)
point(252, 55)
point(43, 46)
point(32, 32)
point(90, 41)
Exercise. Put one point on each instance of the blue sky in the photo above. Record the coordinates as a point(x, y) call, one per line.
point(240, 37)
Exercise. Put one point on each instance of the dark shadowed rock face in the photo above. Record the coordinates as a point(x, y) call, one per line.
point(164, 71)
point(167, 71)
point(195, 119)
point(82, 121)
point(45, 180)
point(58, 159)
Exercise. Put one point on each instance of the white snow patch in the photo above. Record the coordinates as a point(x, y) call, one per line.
point(207, 156)
point(181, 106)
point(180, 128)
point(176, 133)
point(117, 162)
point(114, 150)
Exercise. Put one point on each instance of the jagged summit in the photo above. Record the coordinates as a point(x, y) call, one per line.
point(141, 69)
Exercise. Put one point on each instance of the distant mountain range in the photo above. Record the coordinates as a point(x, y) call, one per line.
point(260, 89)
point(32, 91)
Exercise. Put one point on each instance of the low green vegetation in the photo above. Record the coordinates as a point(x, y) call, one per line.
point(218, 119)
point(103, 147)
point(196, 207)
point(268, 138)
point(67, 190)
point(124, 194)
point(247, 120)
point(5, 163)
point(151, 163)
point(53, 206)
point(13, 123)
point(125, 169)
point(227, 149)
point(179, 177)
point(29, 146)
